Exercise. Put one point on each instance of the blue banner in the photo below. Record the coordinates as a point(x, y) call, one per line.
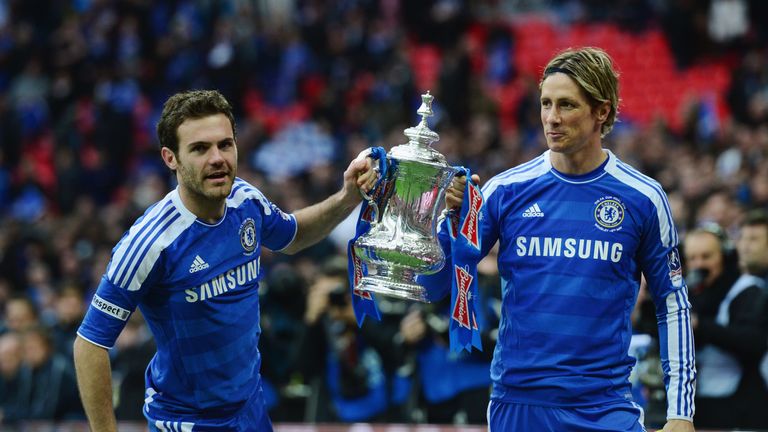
point(464, 332)
point(363, 302)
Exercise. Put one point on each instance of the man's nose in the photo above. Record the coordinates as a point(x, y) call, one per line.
point(553, 116)
point(215, 156)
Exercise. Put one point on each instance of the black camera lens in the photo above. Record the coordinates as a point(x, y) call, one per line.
point(338, 296)
point(695, 278)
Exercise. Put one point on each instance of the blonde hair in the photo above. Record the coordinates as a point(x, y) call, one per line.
point(592, 69)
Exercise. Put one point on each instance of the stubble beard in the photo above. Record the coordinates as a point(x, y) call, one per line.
point(195, 185)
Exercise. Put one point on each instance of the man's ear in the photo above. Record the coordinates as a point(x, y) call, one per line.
point(602, 111)
point(169, 157)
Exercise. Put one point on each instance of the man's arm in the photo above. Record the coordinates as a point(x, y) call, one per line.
point(94, 379)
point(678, 426)
point(659, 261)
point(317, 221)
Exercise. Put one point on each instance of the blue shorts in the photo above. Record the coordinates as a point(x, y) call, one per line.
point(239, 423)
point(619, 417)
point(252, 417)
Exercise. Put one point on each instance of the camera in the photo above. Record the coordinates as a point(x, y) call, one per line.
point(695, 278)
point(338, 296)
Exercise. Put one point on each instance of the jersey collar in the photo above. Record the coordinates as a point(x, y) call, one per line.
point(586, 177)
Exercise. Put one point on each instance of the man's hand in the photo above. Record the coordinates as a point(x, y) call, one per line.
point(412, 327)
point(454, 195)
point(678, 426)
point(317, 301)
point(360, 174)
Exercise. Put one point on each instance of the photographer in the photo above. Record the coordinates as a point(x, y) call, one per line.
point(711, 269)
point(455, 387)
point(729, 327)
point(356, 372)
point(282, 324)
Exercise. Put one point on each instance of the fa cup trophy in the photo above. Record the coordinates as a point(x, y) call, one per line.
point(402, 241)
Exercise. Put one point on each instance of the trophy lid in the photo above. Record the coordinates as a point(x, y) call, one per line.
point(420, 138)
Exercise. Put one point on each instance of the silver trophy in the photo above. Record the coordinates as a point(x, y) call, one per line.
point(402, 241)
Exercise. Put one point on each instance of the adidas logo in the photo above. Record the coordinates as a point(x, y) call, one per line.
point(198, 264)
point(533, 211)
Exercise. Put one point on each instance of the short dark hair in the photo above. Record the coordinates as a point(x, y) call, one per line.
point(758, 217)
point(192, 104)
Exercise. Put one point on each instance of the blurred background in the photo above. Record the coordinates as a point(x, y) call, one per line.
point(312, 83)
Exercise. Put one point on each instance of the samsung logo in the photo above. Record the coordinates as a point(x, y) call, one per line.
point(239, 276)
point(600, 250)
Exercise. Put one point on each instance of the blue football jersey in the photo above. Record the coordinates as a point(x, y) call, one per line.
point(572, 252)
point(197, 286)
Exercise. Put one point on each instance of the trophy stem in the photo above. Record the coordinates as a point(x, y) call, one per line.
point(394, 282)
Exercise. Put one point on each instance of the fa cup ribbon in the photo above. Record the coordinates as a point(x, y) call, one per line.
point(363, 302)
point(464, 332)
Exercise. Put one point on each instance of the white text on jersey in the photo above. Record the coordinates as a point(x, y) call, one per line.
point(229, 280)
point(569, 248)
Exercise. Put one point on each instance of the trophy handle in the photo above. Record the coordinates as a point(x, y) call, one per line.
point(373, 206)
point(381, 171)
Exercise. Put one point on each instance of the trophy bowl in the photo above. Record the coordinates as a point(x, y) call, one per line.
point(402, 241)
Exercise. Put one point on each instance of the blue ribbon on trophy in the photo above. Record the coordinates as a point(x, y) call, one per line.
point(463, 331)
point(363, 302)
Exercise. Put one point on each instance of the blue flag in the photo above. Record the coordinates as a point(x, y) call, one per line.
point(363, 302)
point(464, 332)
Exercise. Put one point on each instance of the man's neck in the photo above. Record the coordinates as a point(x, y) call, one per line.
point(579, 162)
point(207, 210)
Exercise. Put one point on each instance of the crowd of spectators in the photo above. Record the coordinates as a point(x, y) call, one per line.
point(312, 83)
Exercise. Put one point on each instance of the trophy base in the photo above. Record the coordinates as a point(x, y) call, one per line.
point(395, 284)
